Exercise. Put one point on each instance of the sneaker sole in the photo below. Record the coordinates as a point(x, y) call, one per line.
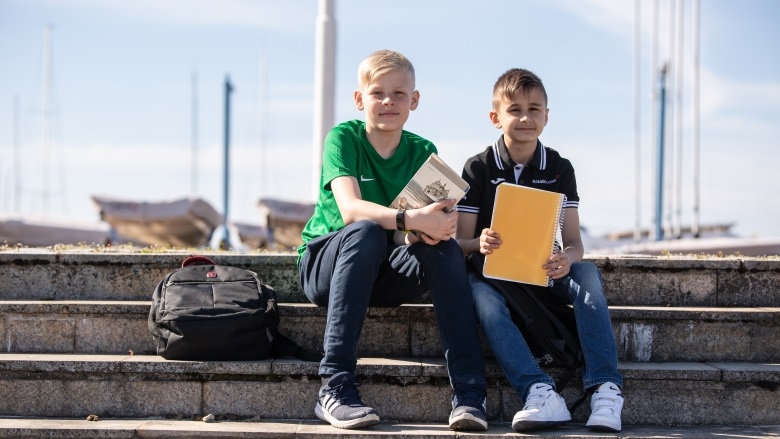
point(467, 422)
point(535, 425)
point(603, 427)
point(352, 424)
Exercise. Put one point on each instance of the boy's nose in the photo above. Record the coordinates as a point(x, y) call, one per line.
point(387, 101)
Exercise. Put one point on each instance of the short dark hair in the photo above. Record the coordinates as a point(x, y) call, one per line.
point(514, 81)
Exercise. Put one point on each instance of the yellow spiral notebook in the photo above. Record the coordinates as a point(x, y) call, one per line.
point(528, 221)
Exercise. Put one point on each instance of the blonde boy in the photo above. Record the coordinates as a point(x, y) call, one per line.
point(356, 253)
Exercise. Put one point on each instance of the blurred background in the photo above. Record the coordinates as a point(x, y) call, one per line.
point(126, 101)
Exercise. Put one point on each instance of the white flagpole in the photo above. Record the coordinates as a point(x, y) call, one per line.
point(324, 84)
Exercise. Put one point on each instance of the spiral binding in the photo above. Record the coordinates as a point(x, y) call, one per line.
point(556, 246)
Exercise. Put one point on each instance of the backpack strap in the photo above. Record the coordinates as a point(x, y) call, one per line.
point(197, 260)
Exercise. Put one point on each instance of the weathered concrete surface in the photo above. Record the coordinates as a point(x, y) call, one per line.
point(161, 428)
point(642, 333)
point(143, 386)
point(644, 281)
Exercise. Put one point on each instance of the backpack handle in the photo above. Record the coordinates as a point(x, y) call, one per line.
point(197, 260)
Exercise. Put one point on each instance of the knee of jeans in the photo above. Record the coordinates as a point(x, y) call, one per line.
point(581, 271)
point(369, 234)
point(447, 250)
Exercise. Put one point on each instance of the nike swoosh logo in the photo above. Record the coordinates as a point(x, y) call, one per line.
point(366, 179)
point(497, 181)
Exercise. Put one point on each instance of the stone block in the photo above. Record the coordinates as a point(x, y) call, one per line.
point(41, 334)
point(105, 398)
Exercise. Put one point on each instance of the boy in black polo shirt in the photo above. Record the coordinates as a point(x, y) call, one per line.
point(520, 111)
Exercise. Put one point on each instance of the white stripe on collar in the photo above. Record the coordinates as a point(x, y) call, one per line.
point(500, 164)
point(497, 156)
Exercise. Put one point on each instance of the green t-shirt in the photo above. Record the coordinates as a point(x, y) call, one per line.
point(348, 152)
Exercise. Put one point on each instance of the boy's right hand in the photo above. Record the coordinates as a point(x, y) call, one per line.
point(434, 220)
point(489, 240)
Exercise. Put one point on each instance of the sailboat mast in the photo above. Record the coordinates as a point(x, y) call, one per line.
point(46, 119)
point(194, 132)
point(637, 133)
point(17, 158)
point(654, 102)
point(659, 232)
point(678, 128)
point(695, 135)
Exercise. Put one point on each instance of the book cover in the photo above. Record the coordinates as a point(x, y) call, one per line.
point(434, 181)
point(527, 220)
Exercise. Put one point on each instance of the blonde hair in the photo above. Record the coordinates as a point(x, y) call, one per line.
point(381, 62)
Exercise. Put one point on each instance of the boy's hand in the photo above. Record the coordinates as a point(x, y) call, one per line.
point(424, 237)
point(558, 265)
point(489, 240)
point(434, 221)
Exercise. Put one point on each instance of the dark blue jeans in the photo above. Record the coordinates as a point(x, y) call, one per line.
point(358, 266)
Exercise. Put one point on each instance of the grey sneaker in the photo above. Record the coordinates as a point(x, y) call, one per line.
point(606, 405)
point(543, 408)
point(340, 404)
point(468, 409)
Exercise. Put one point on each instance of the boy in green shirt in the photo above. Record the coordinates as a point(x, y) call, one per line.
point(356, 251)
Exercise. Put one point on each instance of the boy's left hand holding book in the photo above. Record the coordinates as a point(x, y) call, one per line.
point(433, 220)
point(558, 265)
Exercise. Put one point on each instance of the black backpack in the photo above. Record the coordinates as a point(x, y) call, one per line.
point(548, 326)
point(205, 311)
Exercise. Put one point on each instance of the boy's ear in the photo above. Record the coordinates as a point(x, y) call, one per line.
point(358, 100)
point(496, 122)
point(415, 100)
point(546, 116)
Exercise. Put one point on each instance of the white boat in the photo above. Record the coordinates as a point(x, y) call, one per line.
point(184, 222)
point(284, 221)
point(715, 240)
point(33, 231)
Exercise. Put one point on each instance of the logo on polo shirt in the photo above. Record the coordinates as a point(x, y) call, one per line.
point(497, 181)
point(544, 181)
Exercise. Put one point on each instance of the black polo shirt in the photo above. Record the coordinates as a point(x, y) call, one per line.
point(486, 170)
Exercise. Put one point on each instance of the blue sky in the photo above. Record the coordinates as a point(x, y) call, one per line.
point(122, 97)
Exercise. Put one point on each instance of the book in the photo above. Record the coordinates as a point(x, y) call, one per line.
point(528, 221)
point(434, 181)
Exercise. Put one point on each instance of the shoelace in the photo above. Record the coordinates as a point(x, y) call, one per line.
point(605, 400)
point(472, 396)
point(535, 400)
point(346, 392)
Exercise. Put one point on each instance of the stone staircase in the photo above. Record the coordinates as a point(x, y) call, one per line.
point(698, 340)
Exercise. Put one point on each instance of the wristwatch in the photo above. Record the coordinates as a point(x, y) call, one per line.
point(400, 222)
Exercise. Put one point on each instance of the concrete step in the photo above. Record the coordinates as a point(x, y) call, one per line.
point(642, 333)
point(34, 274)
point(401, 389)
point(166, 428)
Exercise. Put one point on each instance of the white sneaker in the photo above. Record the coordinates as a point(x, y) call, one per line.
point(605, 406)
point(543, 408)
